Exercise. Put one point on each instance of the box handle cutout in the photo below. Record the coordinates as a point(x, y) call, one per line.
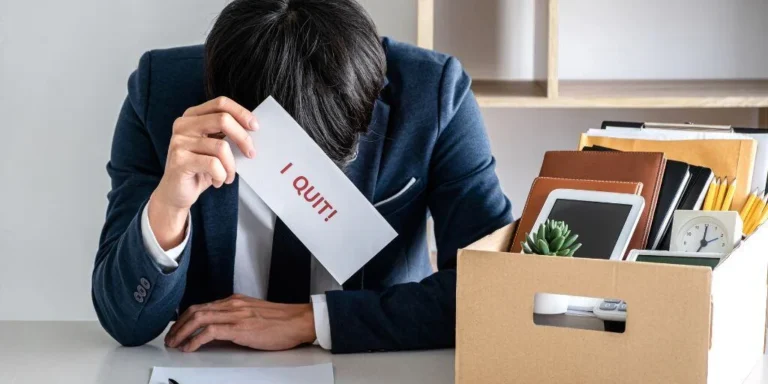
point(578, 312)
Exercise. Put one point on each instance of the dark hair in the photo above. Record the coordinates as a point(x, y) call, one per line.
point(322, 60)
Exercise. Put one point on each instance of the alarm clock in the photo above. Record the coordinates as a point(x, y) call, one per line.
point(705, 231)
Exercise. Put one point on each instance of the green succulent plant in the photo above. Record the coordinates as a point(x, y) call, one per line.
point(553, 238)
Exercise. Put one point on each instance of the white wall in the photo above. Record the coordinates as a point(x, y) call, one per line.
point(63, 75)
point(609, 39)
point(679, 39)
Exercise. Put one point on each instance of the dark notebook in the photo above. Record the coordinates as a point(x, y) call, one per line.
point(693, 198)
point(677, 175)
point(694, 195)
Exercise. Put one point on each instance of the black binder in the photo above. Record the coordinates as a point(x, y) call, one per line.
point(693, 198)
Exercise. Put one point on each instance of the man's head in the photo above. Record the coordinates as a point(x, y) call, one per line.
point(321, 59)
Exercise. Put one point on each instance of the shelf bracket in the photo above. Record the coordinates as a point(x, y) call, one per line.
point(425, 34)
point(553, 42)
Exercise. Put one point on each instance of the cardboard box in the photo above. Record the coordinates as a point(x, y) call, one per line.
point(684, 324)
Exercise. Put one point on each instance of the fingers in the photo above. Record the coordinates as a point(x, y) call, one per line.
point(208, 165)
point(213, 124)
point(212, 147)
point(226, 105)
point(202, 319)
point(218, 305)
point(187, 315)
point(208, 334)
point(179, 322)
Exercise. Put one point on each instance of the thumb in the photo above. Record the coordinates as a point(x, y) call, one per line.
point(204, 181)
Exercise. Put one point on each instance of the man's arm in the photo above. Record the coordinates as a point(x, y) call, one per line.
point(134, 299)
point(466, 202)
point(134, 294)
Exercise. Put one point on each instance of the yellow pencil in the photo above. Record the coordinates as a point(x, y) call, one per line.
point(761, 221)
point(709, 201)
point(720, 195)
point(756, 211)
point(748, 205)
point(753, 224)
point(760, 195)
point(756, 205)
point(748, 226)
point(728, 200)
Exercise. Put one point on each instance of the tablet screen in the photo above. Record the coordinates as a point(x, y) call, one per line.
point(598, 225)
point(701, 261)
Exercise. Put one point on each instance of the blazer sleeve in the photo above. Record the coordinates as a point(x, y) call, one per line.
point(133, 298)
point(466, 202)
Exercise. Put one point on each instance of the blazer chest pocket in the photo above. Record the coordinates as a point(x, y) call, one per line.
point(401, 198)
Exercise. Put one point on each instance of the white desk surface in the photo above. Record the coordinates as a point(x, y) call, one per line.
point(82, 353)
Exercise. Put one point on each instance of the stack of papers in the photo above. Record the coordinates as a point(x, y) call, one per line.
point(760, 173)
point(313, 374)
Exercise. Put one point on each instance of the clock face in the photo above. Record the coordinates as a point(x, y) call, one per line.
point(704, 235)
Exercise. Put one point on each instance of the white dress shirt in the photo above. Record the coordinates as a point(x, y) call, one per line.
point(253, 256)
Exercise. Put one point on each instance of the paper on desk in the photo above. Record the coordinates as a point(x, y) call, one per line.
point(311, 195)
point(313, 374)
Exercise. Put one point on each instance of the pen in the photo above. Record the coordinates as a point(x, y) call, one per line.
point(172, 381)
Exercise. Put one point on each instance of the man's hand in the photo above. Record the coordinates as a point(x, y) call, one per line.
point(197, 159)
point(245, 321)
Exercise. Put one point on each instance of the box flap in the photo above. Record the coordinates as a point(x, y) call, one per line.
point(739, 311)
point(498, 241)
point(497, 341)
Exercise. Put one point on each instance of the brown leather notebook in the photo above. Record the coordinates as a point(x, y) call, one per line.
point(644, 167)
point(543, 186)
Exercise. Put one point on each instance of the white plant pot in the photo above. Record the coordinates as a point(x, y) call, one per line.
point(550, 304)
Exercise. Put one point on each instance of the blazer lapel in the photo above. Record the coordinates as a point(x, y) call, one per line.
point(364, 170)
point(219, 216)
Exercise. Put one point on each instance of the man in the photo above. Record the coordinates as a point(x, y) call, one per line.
point(184, 239)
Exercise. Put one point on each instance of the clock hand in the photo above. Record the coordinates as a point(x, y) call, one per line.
point(703, 243)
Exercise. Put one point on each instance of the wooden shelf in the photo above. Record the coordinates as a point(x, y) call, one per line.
point(625, 94)
point(556, 93)
point(493, 93)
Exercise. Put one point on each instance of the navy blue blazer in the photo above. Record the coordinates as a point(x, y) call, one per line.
point(426, 125)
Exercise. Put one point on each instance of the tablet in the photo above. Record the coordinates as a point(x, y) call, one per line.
point(671, 257)
point(604, 221)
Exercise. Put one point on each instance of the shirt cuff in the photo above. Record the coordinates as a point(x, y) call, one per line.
point(322, 322)
point(166, 260)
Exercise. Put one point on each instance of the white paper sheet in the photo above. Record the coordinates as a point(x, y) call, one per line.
point(313, 374)
point(759, 174)
point(312, 196)
point(665, 134)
